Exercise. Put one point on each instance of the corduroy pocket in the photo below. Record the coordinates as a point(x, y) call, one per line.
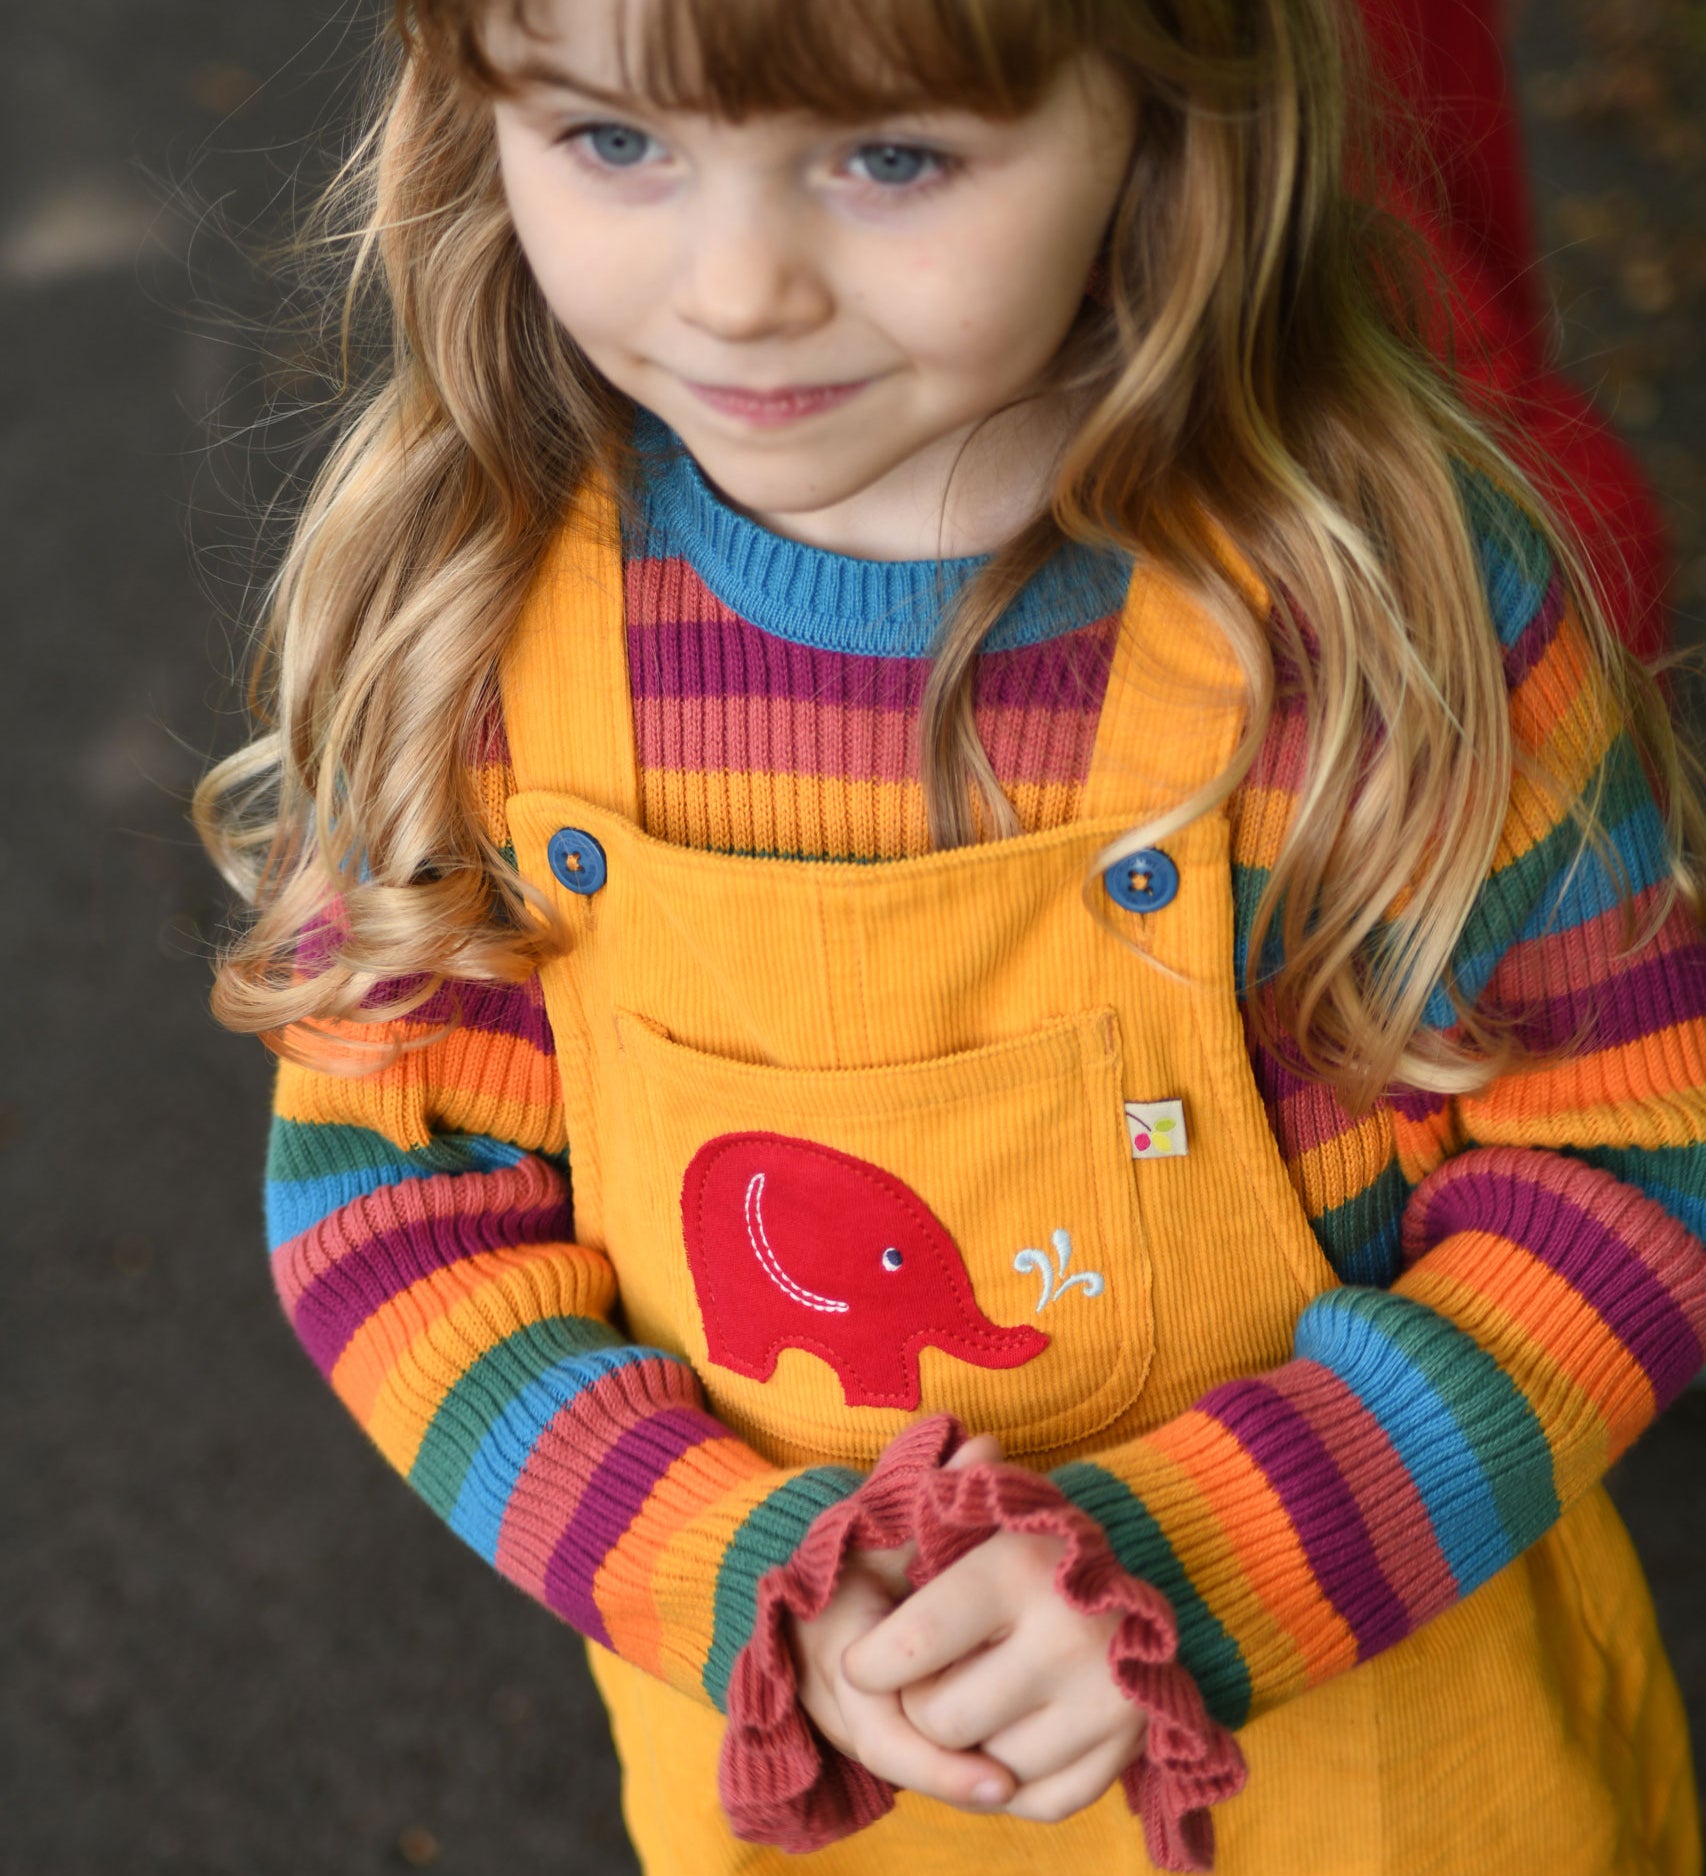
point(838, 1250)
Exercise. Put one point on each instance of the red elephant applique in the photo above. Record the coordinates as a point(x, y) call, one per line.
point(794, 1245)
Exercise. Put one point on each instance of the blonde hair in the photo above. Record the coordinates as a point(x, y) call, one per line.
point(1253, 372)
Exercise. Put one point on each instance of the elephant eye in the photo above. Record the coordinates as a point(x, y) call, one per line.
point(892, 1259)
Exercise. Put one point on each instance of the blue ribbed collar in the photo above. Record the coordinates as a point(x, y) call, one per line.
point(837, 602)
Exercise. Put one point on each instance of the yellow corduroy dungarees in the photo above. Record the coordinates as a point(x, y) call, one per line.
point(964, 1021)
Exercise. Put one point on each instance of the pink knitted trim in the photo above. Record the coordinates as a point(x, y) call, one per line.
point(780, 1780)
point(782, 1784)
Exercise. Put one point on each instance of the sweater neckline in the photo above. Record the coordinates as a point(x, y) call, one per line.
point(840, 602)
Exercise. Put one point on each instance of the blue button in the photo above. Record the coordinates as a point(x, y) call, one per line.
point(577, 860)
point(1144, 881)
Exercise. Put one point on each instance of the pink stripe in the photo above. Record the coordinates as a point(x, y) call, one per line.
point(569, 1452)
point(1533, 968)
point(1621, 1251)
point(1385, 1494)
point(443, 1200)
point(837, 742)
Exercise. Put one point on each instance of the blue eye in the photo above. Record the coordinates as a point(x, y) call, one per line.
point(896, 165)
point(892, 1259)
point(614, 146)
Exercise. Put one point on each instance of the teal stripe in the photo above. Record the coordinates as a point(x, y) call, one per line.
point(1558, 884)
point(769, 1535)
point(1515, 559)
point(1248, 885)
point(1361, 1236)
point(1463, 1429)
point(495, 1470)
point(1534, 887)
point(313, 1167)
point(488, 1390)
point(1215, 1660)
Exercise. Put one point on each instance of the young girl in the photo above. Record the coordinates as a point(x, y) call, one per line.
point(991, 1053)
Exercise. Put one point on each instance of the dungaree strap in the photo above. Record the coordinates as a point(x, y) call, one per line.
point(566, 697)
point(1175, 705)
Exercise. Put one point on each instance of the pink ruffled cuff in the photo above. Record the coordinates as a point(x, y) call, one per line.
point(781, 1783)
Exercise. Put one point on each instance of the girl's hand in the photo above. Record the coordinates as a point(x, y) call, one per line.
point(871, 1726)
point(989, 1655)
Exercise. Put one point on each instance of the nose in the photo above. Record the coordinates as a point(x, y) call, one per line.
point(750, 271)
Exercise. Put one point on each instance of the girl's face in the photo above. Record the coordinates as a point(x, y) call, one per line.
point(824, 314)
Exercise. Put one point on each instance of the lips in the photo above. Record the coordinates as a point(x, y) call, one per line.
point(786, 405)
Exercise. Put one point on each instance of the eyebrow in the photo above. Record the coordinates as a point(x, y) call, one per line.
point(537, 71)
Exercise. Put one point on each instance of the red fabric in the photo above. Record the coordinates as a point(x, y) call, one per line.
point(795, 1245)
point(1446, 59)
point(781, 1783)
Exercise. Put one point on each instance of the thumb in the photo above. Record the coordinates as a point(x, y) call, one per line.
point(983, 1449)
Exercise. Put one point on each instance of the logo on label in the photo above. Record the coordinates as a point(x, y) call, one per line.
point(1156, 1129)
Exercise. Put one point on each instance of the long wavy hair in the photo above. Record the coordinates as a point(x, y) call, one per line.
point(1257, 368)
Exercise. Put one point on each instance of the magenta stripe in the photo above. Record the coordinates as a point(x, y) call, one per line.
point(1535, 639)
point(333, 1308)
point(1589, 1255)
point(1415, 1103)
point(611, 1500)
point(1321, 1506)
point(515, 1010)
point(1639, 1000)
point(685, 659)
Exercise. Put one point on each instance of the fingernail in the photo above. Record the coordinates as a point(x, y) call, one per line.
point(991, 1791)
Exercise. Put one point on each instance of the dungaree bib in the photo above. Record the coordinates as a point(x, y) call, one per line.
point(955, 1037)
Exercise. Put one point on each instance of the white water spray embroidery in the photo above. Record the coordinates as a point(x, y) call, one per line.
point(1055, 1280)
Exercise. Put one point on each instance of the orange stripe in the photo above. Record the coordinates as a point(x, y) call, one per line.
point(678, 1497)
point(1538, 1315)
point(1564, 1385)
point(1264, 1540)
point(1595, 1096)
point(1349, 1163)
point(683, 1579)
point(411, 1352)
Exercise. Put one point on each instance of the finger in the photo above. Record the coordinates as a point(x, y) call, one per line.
point(886, 1743)
point(932, 1629)
point(1049, 1800)
point(1054, 1737)
point(859, 1604)
point(982, 1449)
point(981, 1695)
point(888, 1567)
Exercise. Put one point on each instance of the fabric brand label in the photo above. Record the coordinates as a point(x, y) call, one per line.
point(1156, 1129)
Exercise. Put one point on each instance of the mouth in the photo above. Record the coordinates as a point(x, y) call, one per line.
point(768, 408)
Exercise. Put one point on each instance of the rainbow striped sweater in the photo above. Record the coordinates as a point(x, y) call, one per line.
point(1496, 1342)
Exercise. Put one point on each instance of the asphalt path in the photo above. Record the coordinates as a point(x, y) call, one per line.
point(235, 1644)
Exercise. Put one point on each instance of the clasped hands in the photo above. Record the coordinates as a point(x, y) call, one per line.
point(984, 1689)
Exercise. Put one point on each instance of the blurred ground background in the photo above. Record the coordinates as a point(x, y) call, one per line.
point(234, 1646)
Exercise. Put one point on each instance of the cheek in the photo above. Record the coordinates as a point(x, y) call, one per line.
point(596, 285)
point(591, 277)
point(996, 310)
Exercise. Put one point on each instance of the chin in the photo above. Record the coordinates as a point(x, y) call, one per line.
point(785, 483)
